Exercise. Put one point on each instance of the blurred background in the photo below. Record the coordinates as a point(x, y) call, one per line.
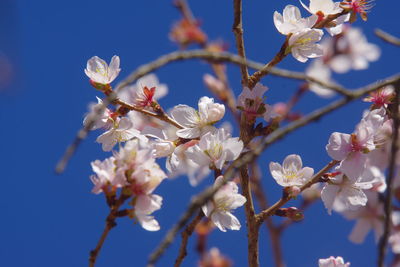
point(54, 220)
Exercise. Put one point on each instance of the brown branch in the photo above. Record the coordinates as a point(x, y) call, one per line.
point(274, 232)
point(201, 198)
point(389, 180)
point(185, 237)
point(238, 31)
point(387, 37)
point(179, 56)
point(251, 222)
point(185, 10)
point(315, 179)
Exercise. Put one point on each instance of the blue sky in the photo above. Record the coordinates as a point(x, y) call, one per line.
point(50, 220)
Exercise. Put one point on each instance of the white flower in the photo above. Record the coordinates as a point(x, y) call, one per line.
point(368, 217)
point(333, 262)
point(105, 173)
point(326, 7)
point(121, 131)
point(103, 120)
point(318, 70)
point(146, 205)
point(99, 72)
point(292, 172)
point(291, 21)
point(303, 45)
point(251, 102)
point(135, 93)
point(215, 149)
point(219, 209)
point(341, 193)
point(197, 123)
point(350, 51)
point(352, 149)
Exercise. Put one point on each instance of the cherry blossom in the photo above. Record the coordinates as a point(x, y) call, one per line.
point(214, 149)
point(102, 120)
point(197, 123)
point(350, 51)
point(105, 174)
point(291, 172)
point(381, 97)
point(333, 262)
point(319, 70)
point(121, 131)
point(367, 218)
point(146, 90)
point(357, 6)
point(100, 72)
point(226, 199)
point(250, 102)
point(341, 193)
point(146, 205)
point(302, 44)
point(291, 20)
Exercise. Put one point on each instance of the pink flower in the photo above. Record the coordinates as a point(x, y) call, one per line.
point(333, 262)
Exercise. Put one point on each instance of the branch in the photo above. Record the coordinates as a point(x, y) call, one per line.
point(389, 180)
point(238, 31)
point(387, 37)
point(179, 56)
point(246, 158)
point(185, 237)
point(315, 179)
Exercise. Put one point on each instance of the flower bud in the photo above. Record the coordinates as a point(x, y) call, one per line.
point(163, 149)
point(215, 112)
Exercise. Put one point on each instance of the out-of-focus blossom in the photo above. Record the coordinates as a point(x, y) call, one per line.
point(100, 72)
point(214, 259)
point(291, 172)
point(226, 199)
point(186, 32)
point(333, 262)
point(350, 50)
point(197, 123)
point(319, 70)
point(302, 44)
point(291, 20)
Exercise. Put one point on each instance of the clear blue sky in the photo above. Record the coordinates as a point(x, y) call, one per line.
point(50, 220)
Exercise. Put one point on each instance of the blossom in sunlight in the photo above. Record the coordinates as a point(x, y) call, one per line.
point(224, 201)
point(361, 7)
point(333, 262)
point(214, 149)
point(341, 193)
point(121, 131)
point(291, 172)
point(322, 9)
point(146, 90)
point(251, 103)
point(146, 205)
point(100, 72)
point(368, 217)
point(350, 50)
point(105, 174)
point(102, 120)
point(318, 70)
point(303, 46)
point(291, 20)
point(197, 123)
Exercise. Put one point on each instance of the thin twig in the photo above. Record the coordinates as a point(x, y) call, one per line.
point(271, 210)
point(238, 31)
point(94, 253)
point(389, 180)
point(201, 198)
point(185, 237)
point(387, 37)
